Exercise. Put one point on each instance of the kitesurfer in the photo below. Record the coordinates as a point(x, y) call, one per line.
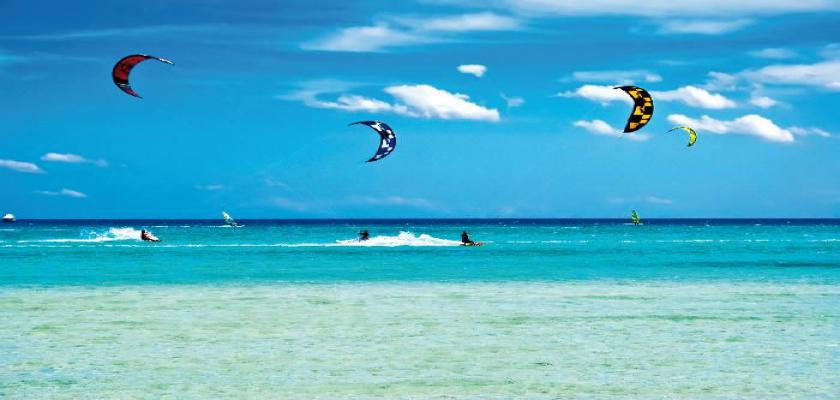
point(364, 235)
point(465, 239)
point(148, 237)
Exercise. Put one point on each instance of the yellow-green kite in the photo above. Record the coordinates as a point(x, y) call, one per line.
point(692, 135)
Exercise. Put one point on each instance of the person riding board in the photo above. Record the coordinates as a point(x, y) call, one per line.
point(364, 235)
point(465, 239)
point(148, 237)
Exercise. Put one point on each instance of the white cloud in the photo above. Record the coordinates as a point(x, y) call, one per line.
point(601, 94)
point(359, 103)
point(485, 21)
point(366, 39)
point(809, 132)
point(620, 76)
point(695, 97)
point(776, 53)
point(473, 69)
point(406, 31)
point(599, 127)
point(823, 74)
point(658, 200)
point(64, 192)
point(720, 81)
point(21, 166)
point(72, 159)
point(689, 95)
point(418, 101)
point(703, 27)
point(752, 125)
point(392, 201)
point(430, 102)
point(211, 187)
point(513, 102)
point(763, 101)
point(658, 8)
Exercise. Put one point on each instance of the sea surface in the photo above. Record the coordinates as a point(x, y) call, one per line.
point(700, 309)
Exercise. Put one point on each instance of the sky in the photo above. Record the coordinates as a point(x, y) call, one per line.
point(502, 108)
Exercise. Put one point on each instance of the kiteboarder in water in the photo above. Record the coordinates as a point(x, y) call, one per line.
point(364, 235)
point(148, 237)
point(465, 239)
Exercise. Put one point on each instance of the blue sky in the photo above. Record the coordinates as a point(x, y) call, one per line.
point(502, 108)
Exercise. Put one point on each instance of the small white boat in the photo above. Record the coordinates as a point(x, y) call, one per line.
point(8, 218)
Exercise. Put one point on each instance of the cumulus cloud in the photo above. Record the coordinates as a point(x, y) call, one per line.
point(689, 95)
point(620, 76)
point(601, 94)
point(824, 74)
point(430, 102)
point(418, 101)
point(763, 101)
point(703, 27)
point(513, 102)
point(751, 125)
point(404, 31)
point(72, 159)
point(599, 127)
point(64, 192)
point(21, 166)
point(695, 97)
point(473, 69)
point(777, 53)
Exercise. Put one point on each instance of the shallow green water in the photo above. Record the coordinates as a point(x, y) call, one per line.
point(421, 340)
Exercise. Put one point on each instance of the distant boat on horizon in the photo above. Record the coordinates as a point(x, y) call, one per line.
point(9, 218)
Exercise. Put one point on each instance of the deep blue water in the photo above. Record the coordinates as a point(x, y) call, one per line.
point(107, 252)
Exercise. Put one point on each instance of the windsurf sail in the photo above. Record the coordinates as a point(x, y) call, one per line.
point(634, 217)
point(228, 219)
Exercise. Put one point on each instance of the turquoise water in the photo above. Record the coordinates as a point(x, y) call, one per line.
point(298, 309)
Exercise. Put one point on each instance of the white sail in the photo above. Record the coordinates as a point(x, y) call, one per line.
point(228, 219)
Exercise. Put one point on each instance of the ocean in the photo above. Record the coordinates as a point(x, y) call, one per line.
point(716, 309)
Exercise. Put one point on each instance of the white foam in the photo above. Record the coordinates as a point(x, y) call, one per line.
point(403, 239)
point(113, 234)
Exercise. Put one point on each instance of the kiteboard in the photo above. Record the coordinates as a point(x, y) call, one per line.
point(473, 244)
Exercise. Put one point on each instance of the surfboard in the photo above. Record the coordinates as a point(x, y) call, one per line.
point(472, 244)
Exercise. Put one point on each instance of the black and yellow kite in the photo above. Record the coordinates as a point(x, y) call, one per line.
point(692, 135)
point(642, 108)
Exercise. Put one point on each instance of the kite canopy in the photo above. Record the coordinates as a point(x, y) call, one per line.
point(124, 66)
point(642, 108)
point(692, 135)
point(388, 139)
